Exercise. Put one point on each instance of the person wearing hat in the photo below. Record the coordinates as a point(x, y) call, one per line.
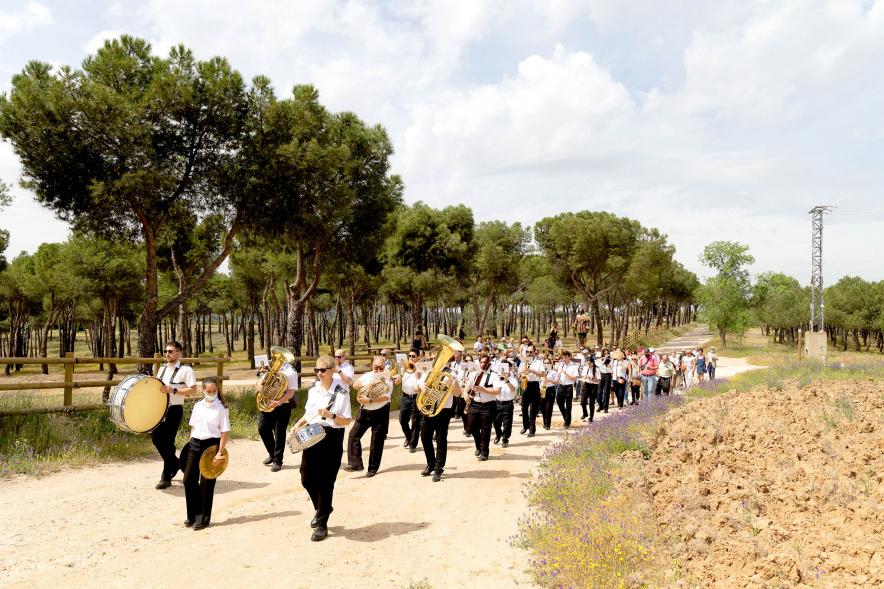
point(711, 362)
point(648, 365)
point(210, 423)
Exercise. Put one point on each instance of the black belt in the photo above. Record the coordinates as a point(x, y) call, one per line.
point(480, 403)
point(507, 401)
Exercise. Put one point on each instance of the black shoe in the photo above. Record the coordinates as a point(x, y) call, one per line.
point(405, 444)
point(349, 468)
point(467, 434)
point(313, 523)
point(505, 443)
point(188, 523)
point(371, 473)
point(546, 427)
point(319, 534)
point(200, 525)
point(478, 452)
point(530, 434)
point(437, 476)
point(426, 472)
point(275, 467)
point(413, 449)
point(483, 458)
point(163, 484)
point(267, 461)
point(497, 439)
point(523, 431)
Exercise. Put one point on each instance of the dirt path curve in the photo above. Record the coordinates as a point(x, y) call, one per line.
point(107, 526)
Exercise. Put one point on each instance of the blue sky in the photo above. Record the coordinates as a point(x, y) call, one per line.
point(707, 120)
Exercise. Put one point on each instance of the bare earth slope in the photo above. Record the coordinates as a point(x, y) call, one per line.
point(776, 488)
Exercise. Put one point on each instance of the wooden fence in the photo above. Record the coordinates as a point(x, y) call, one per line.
point(69, 384)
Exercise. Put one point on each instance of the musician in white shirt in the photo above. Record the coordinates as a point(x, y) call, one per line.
point(210, 422)
point(567, 376)
point(533, 370)
point(409, 416)
point(374, 415)
point(178, 382)
point(435, 428)
point(328, 404)
point(503, 416)
point(481, 413)
point(273, 424)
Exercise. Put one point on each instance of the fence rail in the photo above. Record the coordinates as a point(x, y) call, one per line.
point(69, 384)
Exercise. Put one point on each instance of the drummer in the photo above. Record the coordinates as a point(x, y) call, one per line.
point(178, 382)
point(320, 463)
point(210, 421)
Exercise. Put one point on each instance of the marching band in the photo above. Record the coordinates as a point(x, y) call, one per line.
point(449, 385)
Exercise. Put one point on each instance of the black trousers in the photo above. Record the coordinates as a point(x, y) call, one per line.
point(546, 406)
point(436, 425)
point(481, 417)
point(319, 470)
point(378, 420)
point(710, 368)
point(636, 392)
point(198, 491)
point(272, 429)
point(564, 395)
point(620, 391)
point(163, 438)
point(604, 394)
point(664, 383)
point(530, 406)
point(410, 419)
point(587, 398)
point(503, 420)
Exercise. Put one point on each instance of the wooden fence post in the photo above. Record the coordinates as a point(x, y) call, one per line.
point(69, 379)
point(156, 365)
point(219, 373)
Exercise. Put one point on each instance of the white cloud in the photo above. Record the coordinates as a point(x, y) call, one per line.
point(97, 42)
point(32, 15)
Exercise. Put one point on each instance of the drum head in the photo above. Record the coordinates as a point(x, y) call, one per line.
point(145, 405)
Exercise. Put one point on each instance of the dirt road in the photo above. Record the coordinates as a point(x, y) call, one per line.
point(107, 526)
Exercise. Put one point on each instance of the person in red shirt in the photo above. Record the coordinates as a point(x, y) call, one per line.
point(648, 364)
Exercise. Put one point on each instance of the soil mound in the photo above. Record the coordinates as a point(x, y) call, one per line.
point(773, 488)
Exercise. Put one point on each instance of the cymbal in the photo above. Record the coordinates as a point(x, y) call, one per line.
point(210, 469)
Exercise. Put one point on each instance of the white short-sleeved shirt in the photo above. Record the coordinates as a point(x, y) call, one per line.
point(508, 387)
point(209, 420)
point(364, 380)
point(184, 378)
point(478, 346)
point(292, 375)
point(535, 364)
point(410, 380)
point(568, 373)
point(619, 368)
point(350, 371)
point(604, 369)
point(318, 398)
point(491, 380)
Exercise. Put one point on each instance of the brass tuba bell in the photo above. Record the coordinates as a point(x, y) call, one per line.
point(438, 386)
point(274, 384)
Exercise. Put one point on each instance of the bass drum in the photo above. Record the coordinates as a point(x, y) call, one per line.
point(138, 404)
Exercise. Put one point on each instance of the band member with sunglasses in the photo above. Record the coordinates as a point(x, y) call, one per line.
point(486, 388)
point(320, 463)
point(178, 382)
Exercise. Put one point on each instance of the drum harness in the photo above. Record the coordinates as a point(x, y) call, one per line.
point(171, 379)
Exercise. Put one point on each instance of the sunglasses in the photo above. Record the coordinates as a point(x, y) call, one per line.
point(412, 356)
point(338, 357)
point(378, 368)
point(320, 370)
point(170, 351)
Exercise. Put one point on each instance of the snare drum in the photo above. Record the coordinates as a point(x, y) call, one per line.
point(309, 435)
point(138, 404)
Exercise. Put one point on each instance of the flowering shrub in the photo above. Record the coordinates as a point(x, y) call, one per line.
point(586, 530)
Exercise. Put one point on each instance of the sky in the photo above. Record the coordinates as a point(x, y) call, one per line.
point(724, 120)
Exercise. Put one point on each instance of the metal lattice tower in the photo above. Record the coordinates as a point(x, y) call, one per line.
point(817, 306)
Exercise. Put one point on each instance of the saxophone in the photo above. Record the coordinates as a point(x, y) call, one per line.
point(274, 384)
point(438, 386)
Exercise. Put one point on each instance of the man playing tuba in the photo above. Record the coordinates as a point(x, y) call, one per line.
point(272, 423)
point(373, 392)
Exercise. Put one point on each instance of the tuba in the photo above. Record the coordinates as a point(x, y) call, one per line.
point(274, 384)
point(438, 386)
